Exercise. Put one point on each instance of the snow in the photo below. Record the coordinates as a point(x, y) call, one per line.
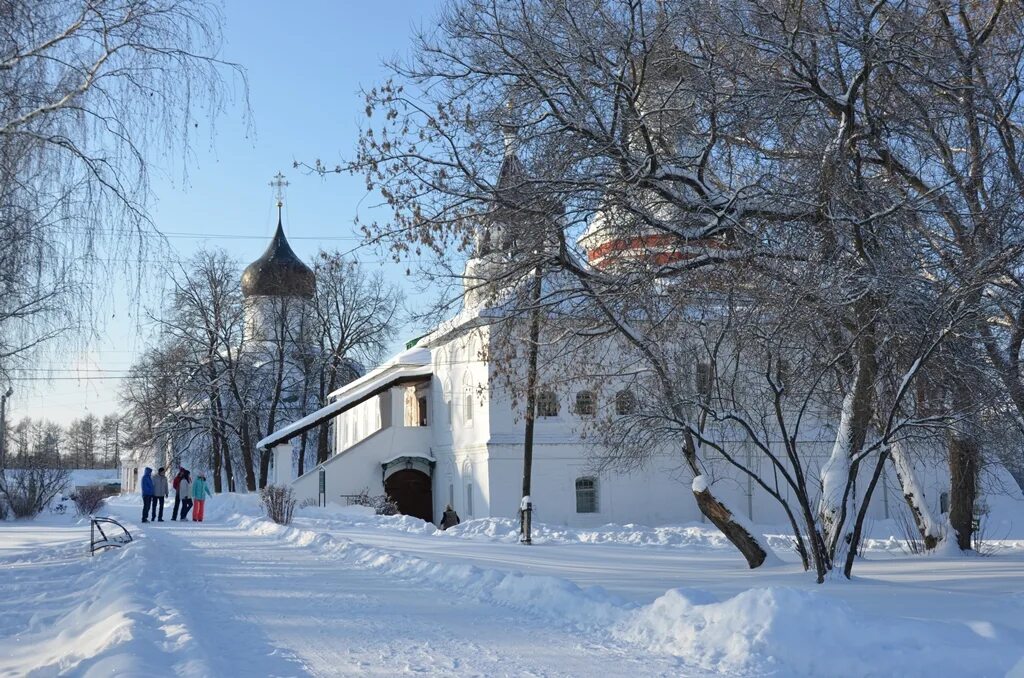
point(699, 484)
point(406, 455)
point(415, 357)
point(345, 592)
point(908, 473)
point(835, 476)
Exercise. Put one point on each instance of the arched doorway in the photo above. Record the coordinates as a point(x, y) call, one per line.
point(411, 489)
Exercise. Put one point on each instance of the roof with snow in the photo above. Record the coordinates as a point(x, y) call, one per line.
point(409, 366)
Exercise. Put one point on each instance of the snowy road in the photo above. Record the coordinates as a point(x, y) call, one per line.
point(338, 594)
point(248, 598)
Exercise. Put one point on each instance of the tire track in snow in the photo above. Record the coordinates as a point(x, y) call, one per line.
point(217, 641)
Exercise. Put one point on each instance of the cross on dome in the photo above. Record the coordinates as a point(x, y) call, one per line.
point(278, 184)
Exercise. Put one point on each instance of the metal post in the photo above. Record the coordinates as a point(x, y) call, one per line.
point(526, 507)
point(3, 426)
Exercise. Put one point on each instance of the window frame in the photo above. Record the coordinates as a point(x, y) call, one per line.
point(587, 495)
point(591, 409)
point(625, 402)
point(547, 396)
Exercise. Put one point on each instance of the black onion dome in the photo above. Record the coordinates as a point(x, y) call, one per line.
point(279, 272)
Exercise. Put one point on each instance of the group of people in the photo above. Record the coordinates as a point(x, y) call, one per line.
point(189, 495)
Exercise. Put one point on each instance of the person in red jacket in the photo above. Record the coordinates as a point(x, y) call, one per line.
point(177, 495)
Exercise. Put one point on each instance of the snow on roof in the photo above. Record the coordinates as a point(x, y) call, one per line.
point(415, 356)
point(381, 379)
point(407, 455)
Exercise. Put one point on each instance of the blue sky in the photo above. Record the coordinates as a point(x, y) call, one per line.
point(305, 62)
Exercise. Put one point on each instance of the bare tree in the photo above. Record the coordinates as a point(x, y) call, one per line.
point(355, 315)
point(88, 91)
point(783, 155)
point(233, 384)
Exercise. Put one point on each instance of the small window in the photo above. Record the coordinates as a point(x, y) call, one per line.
point(586, 495)
point(467, 408)
point(944, 502)
point(704, 379)
point(448, 397)
point(625, 402)
point(547, 403)
point(451, 494)
point(422, 403)
point(469, 499)
point(467, 402)
point(586, 404)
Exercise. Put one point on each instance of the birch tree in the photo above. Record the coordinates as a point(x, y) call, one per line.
point(89, 93)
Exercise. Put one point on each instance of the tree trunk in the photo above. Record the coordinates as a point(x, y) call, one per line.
point(839, 473)
point(906, 472)
point(264, 467)
point(738, 535)
point(302, 454)
point(228, 471)
point(247, 460)
point(215, 466)
point(964, 452)
point(858, 526)
point(322, 444)
point(720, 515)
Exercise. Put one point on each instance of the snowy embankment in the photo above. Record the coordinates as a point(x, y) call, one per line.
point(62, 611)
point(174, 599)
point(772, 630)
point(1006, 533)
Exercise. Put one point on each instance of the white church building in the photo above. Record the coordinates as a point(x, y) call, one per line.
point(433, 426)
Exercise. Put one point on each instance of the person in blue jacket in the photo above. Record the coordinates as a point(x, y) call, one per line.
point(147, 493)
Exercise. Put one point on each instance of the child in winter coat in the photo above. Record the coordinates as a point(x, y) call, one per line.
point(200, 491)
point(185, 492)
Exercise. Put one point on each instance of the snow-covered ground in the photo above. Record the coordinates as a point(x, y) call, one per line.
point(341, 592)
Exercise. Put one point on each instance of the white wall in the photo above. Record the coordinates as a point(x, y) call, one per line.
point(359, 467)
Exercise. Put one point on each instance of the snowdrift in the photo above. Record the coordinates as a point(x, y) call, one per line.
point(787, 631)
point(90, 616)
point(761, 631)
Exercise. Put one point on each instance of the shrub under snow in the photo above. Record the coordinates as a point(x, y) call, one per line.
point(382, 504)
point(90, 499)
point(279, 503)
point(26, 492)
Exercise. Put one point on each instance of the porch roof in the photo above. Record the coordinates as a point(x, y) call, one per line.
point(410, 366)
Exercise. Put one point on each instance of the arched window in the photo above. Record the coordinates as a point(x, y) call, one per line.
point(467, 400)
point(586, 403)
point(547, 403)
point(448, 396)
point(586, 495)
point(625, 402)
point(467, 478)
point(704, 379)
